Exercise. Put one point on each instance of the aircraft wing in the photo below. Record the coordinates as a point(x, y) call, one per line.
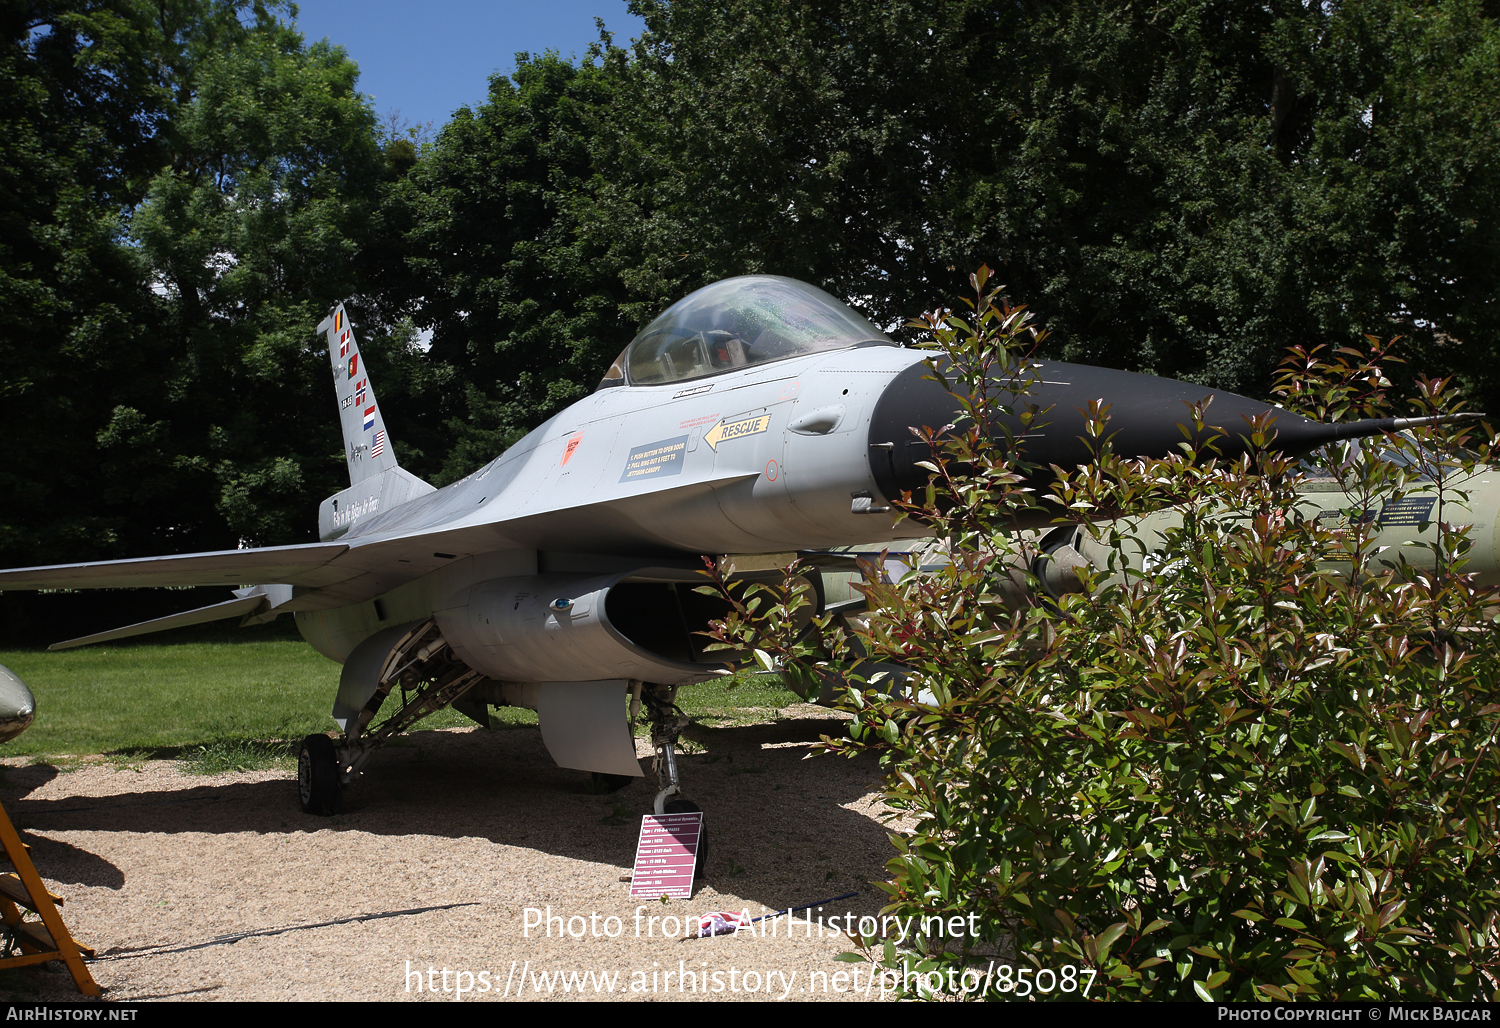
point(337, 574)
point(306, 565)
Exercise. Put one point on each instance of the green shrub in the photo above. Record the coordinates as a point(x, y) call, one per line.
point(1253, 756)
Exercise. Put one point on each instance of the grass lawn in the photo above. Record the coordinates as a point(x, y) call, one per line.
point(181, 692)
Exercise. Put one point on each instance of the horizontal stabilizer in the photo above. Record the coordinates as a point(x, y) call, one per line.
point(304, 564)
point(203, 615)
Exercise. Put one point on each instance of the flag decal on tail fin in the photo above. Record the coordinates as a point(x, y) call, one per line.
point(367, 447)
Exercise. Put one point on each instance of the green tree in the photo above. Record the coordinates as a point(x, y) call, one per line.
point(186, 189)
point(791, 138)
point(1184, 186)
point(251, 227)
point(523, 321)
point(79, 326)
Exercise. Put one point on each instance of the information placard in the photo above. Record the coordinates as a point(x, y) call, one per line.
point(666, 856)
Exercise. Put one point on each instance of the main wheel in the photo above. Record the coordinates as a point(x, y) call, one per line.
point(318, 776)
point(689, 807)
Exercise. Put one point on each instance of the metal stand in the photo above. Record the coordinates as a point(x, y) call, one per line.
point(37, 943)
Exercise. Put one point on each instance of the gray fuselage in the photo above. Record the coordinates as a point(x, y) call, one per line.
point(762, 460)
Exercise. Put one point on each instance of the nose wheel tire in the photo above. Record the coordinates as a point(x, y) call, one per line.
point(689, 807)
point(318, 776)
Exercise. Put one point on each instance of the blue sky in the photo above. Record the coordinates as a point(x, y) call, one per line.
point(428, 59)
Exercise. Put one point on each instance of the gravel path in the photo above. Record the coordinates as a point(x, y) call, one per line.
point(154, 864)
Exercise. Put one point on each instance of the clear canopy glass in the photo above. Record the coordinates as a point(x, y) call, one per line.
point(733, 324)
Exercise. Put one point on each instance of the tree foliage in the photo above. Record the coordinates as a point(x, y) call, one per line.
point(189, 186)
point(490, 260)
point(250, 227)
point(1184, 187)
point(76, 318)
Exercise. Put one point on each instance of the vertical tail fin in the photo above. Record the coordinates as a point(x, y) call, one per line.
point(366, 444)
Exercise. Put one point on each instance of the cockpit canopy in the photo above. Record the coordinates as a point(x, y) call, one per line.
point(733, 324)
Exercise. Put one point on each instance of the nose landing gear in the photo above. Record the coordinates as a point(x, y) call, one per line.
point(667, 722)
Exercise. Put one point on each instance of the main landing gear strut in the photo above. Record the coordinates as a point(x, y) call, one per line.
point(430, 678)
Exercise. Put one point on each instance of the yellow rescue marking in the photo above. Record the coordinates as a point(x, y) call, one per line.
point(736, 430)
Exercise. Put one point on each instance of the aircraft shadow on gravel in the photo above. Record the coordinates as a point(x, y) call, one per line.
point(779, 830)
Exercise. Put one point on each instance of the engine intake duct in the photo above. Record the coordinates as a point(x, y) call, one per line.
point(575, 628)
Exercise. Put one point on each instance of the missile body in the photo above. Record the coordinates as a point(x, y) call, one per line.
point(17, 705)
point(1405, 531)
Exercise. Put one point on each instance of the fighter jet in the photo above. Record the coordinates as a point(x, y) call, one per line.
point(756, 418)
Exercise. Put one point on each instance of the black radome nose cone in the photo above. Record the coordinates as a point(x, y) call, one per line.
point(1147, 416)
